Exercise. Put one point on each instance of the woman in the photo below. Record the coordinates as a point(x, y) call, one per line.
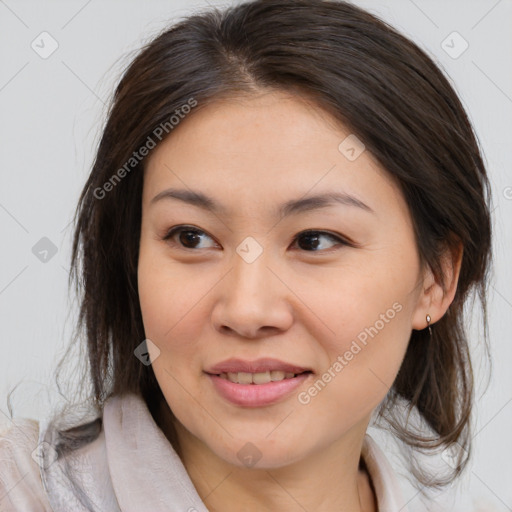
point(287, 212)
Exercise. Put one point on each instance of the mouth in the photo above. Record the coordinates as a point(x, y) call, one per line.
point(258, 378)
point(258, 383)
point(261, 367)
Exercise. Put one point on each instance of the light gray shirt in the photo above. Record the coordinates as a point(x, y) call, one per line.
point(130, 467)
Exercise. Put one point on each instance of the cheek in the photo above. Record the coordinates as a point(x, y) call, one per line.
point(169, 296)
point(171, 307)
point(176, 312)
point(361, 368)
point(368, 313)
point(356, 302)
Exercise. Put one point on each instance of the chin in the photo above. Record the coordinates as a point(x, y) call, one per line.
point(258, 452)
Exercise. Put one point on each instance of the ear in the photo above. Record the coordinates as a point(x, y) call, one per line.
point(433, 299)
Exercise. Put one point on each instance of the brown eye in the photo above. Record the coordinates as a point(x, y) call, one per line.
point(187, 237)
point(311, 241)
point(314, 241)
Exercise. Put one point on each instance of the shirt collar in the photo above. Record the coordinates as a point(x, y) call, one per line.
point(139, 469)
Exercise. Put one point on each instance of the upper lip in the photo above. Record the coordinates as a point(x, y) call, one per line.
point(262, 365)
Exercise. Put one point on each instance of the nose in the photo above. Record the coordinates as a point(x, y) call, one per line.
point(252, 301)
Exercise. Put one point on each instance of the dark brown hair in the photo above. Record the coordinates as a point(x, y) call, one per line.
point(378, 84)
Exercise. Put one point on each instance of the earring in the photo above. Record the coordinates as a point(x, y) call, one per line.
point(428, 324)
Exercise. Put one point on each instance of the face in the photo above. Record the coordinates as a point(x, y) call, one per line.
point(330, 286)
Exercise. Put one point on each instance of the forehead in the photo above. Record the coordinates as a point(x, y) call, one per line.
point(260, 147)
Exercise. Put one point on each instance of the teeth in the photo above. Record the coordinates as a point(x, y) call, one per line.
point(242, 378)
point(257, 378)
point(261, 378)
point(277, 375)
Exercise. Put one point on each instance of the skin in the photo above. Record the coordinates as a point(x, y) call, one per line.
point(298, 302)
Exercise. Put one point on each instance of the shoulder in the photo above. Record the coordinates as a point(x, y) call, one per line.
point(21, 486)
point(75, 469)
point(56, 464)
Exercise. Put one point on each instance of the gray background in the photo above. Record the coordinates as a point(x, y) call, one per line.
point(52, 110)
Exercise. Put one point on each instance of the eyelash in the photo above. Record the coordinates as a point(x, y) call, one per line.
point(341, 241)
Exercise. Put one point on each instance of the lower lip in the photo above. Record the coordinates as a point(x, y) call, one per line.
point(256, 395)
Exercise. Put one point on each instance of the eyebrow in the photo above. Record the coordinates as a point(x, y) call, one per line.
point(291, 207)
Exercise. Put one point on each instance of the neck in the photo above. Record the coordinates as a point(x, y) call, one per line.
point(331, 479)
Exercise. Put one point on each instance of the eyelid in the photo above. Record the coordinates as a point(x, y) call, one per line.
point(186, 227)
point(331, 234)
point(341, 239)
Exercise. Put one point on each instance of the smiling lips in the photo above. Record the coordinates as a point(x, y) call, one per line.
point(258, 366)
point(256, 383)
